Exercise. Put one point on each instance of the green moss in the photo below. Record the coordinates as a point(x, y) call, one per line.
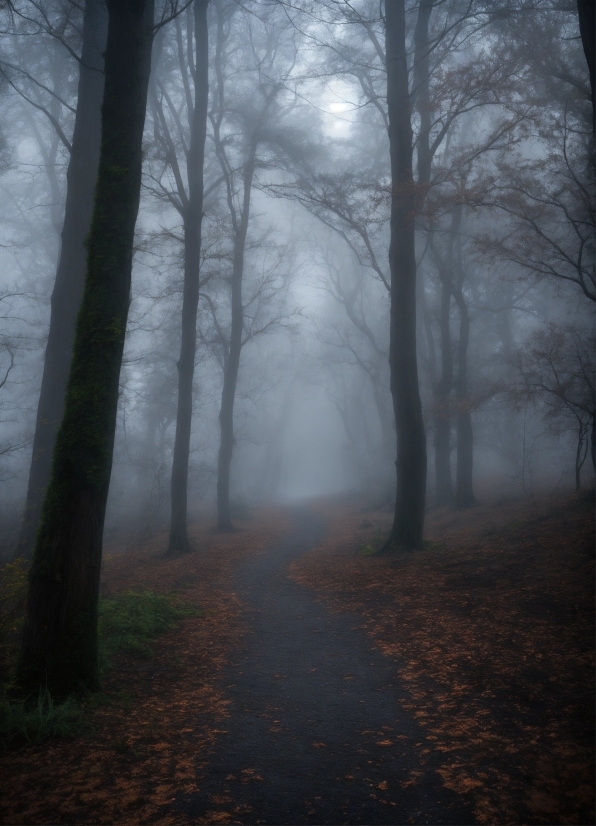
point(28, 722)
point(129, 622)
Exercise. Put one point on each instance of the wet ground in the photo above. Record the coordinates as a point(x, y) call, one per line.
point(315, 733)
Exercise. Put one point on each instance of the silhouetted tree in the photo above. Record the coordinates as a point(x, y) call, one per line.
point(59, 645)
point(192, 217)
point(70, 274)
point(587, 29)
point(408, 524)
point(257, 119)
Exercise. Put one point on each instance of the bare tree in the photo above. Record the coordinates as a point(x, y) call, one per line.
point(556, 372)
point(256, 119)
point(408, 524)
point(181, 150)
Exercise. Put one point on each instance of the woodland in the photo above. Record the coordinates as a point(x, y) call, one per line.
point(297, 413)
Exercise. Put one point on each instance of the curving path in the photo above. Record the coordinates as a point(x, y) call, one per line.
point(316, 732)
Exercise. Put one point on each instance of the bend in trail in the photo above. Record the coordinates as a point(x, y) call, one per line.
point(316, 732)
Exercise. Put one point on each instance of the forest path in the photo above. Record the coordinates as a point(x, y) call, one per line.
point(315, 733)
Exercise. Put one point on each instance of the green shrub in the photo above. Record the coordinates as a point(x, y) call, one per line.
point(130, 621)
point(27, 722)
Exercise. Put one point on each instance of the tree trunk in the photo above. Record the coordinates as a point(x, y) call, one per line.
point(510, 442)
point(464, 490)
point(587, 29)
point(581, 453)
point(379, 387)
point(226, 412)
point(70, 274)
point(442, 413)
point(59, 643)
point(408, 523)
point(192, 253)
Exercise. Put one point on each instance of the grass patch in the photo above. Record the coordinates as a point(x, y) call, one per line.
point(24, 722)
point(431, 545)
point(377, 541)
point(129, 622)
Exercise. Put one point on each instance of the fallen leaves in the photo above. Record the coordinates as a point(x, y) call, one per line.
point(492, 633)
point(153, 724)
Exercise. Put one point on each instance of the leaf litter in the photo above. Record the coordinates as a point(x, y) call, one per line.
point(492, 631)
point(155, 719)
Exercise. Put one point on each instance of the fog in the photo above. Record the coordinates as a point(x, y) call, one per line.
point(297, 144)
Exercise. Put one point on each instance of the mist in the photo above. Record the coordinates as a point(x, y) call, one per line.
point(358, 274)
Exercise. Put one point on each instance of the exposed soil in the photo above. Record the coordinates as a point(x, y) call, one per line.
point(321, 685)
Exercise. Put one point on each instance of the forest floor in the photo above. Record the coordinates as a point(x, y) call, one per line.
point(321, 684)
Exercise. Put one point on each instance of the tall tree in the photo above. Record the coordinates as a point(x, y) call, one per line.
point(59, 643)
point(464, 489)
point(587, 29)
point(408, 523)
point(192, 218)
point(256, 119)
point(442, 386)
point(70, 274)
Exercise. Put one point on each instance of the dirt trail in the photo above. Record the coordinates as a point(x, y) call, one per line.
point(315, 733)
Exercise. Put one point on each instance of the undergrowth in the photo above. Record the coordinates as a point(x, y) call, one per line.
point(128, 623)
point(24, 722)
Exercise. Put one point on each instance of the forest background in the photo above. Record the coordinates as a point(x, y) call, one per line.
point(297, 176)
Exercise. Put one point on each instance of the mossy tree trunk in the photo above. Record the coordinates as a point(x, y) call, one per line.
point(406, 532)
point(70, 274)
point(59, 644)
point(193, 216)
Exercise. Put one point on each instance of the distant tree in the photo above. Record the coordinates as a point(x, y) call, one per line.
point(180, 150)
point(555, 370)
point(193, 216)
point(356, 212)
point(548, 191)
point(70, 274)
point(59, 644)
point(408, 524)
point(248, 135)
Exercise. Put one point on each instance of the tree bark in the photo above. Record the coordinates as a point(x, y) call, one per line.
point(193, 217)
point(587, 29)
point(442, 412)
point(70, 275)
point(226, 412)
point(407, 529)
point(464, 488)
point(59, 643)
